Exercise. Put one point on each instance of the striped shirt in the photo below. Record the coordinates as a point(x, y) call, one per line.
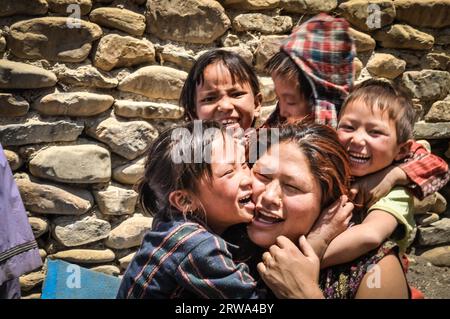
point(183, 259)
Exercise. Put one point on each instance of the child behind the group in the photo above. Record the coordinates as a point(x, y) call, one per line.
point(375, 126)
point(313, 71)
point(221, 86)
point(196, 185)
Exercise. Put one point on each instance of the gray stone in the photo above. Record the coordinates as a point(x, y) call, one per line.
point(53, 38)
point(265, 113)
point(365, 16)
point(25, 7)
point(439, 112)
point(402, 36)
point(427, 85)
point(31, 280)
point(443, 37)
point(13, 159)
point(262, 23)
point(268, 46)
point(115, 51)
point(431, 131)
point(195, 21)
point(177, 55)
point(424, 13)
point(2, 44)
point(252, 4)
point(13, 105)
point(439, 256)
point(386, 66)
point(65, 7)
point(357, 67)
point(73, 104)
point(156, 82)
point(436, 233)
point(130, 173)
point(435, 203)
point(427, 219)
point(147, 110)
point(39, 226)
point(42, 254)
point(46, 198)
point(128, 139)
point(308, 6)
point(33, 131)
point(107, 269)
point(116, 200)
point(120, 19)
point(363, 41)
point(125, 261)
point(267, 89)
point(437, 60)
point(246, 54)
point(76, 231)
point(73, 164)
point(129, 233)
point(17, 75)
point(85, 256)
point(85, 76)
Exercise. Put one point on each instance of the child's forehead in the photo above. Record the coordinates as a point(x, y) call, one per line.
point(218, 73)
point(370, 107)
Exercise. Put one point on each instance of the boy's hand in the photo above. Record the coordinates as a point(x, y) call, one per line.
point(367, 190)
point(290, 272)
point(331, 222)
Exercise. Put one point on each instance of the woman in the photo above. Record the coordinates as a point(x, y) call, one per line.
point(293, 181)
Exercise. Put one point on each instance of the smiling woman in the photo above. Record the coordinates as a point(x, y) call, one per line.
point(293, 181)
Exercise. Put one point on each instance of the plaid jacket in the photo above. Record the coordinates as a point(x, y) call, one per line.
point(428, 172)
point(182, 259)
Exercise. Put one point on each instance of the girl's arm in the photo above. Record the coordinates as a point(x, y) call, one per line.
point(385, 281)
point(360, 239)
point(331, 222)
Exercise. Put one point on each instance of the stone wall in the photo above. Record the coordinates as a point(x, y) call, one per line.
point(82, 99)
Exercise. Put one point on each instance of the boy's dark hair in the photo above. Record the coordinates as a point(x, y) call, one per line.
point(240, 72)
point(387, 97)
point(282, 64)
point(163, 174)
point(327, 158)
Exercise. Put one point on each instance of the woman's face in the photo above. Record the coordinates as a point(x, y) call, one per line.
point(286, 194)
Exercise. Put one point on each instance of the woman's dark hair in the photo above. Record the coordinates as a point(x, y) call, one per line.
point(240, 72)
point(175, 161)
point(327, 158)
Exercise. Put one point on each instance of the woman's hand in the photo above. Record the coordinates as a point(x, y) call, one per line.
point(290, 272)
point(369, 189)
point(332, 221)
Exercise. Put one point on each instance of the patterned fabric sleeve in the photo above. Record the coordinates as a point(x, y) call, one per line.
point(342, 281)
point(428, 172)
point(210, 272)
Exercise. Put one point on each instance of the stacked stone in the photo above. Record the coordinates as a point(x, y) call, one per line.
point(86, 85)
